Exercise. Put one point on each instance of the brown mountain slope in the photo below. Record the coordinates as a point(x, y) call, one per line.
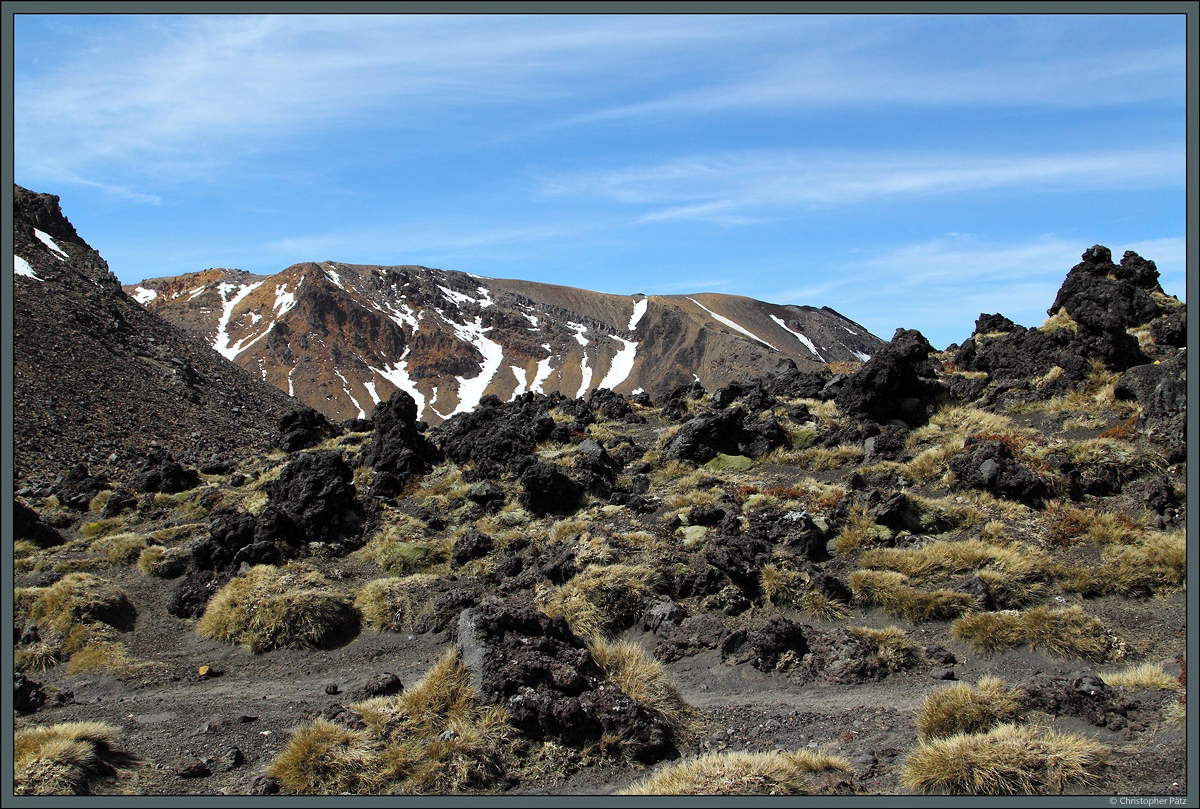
point(97, 379)
point(342, 337)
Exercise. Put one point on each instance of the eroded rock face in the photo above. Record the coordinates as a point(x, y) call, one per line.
point(546, 490)
point(162, 473)
point(316, 491)
point(544, 675)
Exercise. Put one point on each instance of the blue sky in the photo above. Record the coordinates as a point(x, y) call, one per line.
point(908, 171)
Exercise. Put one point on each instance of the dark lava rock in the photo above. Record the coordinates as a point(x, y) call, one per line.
point(731, 432)
point(397, 451)
point(474, 544)
point(544, 675)
point(316, 491)
point(381, 685)
point(990, 465)
point(739, 558)
point(28, 696)
point(485, 492)
point(120, 500)
point(162, 473)
point(693, 635)
point(265, 785)
point(77, 488)
point(1170, 329)
point(494, 433)
point(898, 382)
point(1098, 284)
point(28, 526)
point(546, 490)
point(301, 428)
point(192, 768)
point(765, 647)
point(991, 324)
point(1081, 695)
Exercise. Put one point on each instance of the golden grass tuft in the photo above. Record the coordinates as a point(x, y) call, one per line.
point(270, 608)
point(1007, 760)
point(949, 557)
point(773, 773)
point(395, 604)
point(1147, 675)
point(1065, 632)
point(62, 759)
point(602, 599)
point(858, 531)
point(120, 549)
point(892, 592)
point(433, 738)
point(893, 646)
point(962, 708)
point(74, 600)
point(644, 680)
point(101, 527)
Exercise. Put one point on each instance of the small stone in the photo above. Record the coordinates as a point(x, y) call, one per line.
point(943, 674)
point(332, 689)
point(192, 768)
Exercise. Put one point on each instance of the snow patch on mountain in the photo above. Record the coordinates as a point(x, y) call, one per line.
point(733, 325)
point(21, 267)
point(586, 372)
point(579, 330)
point(362, 414)
point(45, 239)
point(522, 377)
point(470, 391)
point(221, 339)
point(639, 309)
point(398, 375)
point(622, 364)
point(144, 296)
point(801, 337)
point(860, 355)
point(543, 371)
point(285, 299)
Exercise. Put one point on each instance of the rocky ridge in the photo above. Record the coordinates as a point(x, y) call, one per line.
point(342, 337)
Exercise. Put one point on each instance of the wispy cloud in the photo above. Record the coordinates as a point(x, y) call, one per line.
point(734, 186)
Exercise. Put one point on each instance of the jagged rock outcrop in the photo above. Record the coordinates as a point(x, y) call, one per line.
point(897, 383)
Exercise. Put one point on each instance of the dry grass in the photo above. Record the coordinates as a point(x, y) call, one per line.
point(75, 600)
point(791, 588)
point(1006, 569)
point(63, 759)
point(1156, 564)
point(891, 592)
point(826, 458)
point(402, 547)
point(271, 608)
point(155, 560)
point(102, 527)
point(1065, 632)
point(773, 773)
point(120, 549)
point(1147, 675)
point(395, 604)
point(433, 738)
point(1059, 320)
point(893, 646)
point(1007, 760)
point(644, 680)
point(961, 708)
point(859, 530)
point(602, 599)
point(1067, 525)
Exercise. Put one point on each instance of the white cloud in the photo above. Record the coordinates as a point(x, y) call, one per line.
point(730, 187)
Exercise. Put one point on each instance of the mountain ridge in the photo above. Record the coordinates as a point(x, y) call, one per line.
point(341, 337)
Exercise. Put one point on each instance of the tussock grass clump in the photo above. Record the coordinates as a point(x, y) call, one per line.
point(893, 646)
point(1147, 675)
point(828, 457)
point(155, 560)
point(75, 600)
point(435, 737)
point(962, 708)
point(792, 588)
point(271, 608)
point(602, 599)
point(773, 773)
point(644, 680)
point(1158, 563)
point(891, 591)
point(401, 547)
point(63, 759)
point(1067, 525)
point(949, 557)
point(858, 531)
point(1065, 632)
point(1007, 760)
point(101, 527)
point(120, 549)
point(395, 604)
